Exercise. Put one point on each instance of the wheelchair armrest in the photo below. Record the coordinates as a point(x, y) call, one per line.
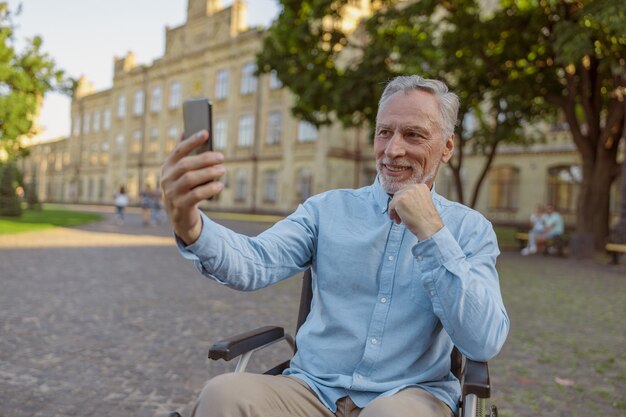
point(476, 379)
point(231, 348)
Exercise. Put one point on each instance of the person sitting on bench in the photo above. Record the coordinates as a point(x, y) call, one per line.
point(554, 229)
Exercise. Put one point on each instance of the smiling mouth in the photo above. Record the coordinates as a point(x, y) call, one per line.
point(396, 168)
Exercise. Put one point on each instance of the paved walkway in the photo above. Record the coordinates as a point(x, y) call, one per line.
point(109, 320)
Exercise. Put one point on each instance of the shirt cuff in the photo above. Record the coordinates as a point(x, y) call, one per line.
point(438, 250)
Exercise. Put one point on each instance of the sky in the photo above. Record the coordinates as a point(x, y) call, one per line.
point(83, 37)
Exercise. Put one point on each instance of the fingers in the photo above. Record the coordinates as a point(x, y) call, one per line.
point(200, 193)
point(191, 164)
point(185, 146)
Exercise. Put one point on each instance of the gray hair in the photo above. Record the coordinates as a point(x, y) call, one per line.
point(448, 101)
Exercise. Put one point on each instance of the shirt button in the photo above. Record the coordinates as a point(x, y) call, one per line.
point(390, 257)
point(383, 300)
point(374, 341)
point(359, 376)
point(419, 258)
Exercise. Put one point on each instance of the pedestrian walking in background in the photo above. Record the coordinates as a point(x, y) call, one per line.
point(146, 203)
point(120, 201)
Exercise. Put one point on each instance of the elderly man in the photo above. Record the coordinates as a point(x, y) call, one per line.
point(400, 274)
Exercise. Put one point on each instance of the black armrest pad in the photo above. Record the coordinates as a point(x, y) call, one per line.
point(245, 342)
point(476, 379)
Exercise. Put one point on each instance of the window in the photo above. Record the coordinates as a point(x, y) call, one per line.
point(219, 141)
point(504, 188)
point(241, 186)
point(96, 121)
point(86, 123)
point(135, 146)
point(246, 131)
point(175, 95)
point(563, 187)
point(76, 126)
point(138, 103)
point(119, 143)
point(248, 79)
point(101, 188)
point(221, 84)
point(155, 99)
point(307, 132)
point(172, 138)
point(154, 134)
point(270, 186)
point(304, 184)
point(274, 127)
point(106, 119)
point(121, 107)
point(275, 82)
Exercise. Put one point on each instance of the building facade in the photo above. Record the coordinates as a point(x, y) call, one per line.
point(122, 135)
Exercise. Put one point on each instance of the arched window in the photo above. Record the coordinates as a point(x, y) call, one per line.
point(504, 188)
point(563, 185)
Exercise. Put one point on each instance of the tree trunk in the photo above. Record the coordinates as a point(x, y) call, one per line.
point(594, 199)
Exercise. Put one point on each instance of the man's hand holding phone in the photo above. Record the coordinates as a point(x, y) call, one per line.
point(187, 179)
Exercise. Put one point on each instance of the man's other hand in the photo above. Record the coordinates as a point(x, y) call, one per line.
point(413, 206)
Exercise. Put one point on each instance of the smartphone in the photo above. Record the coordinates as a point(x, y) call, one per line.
point(198, 115)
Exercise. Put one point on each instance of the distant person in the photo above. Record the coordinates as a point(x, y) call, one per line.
point(156, 216)
point(400, 274)
point(555, 227)
point(538, 224)
point(146, 202)
point(120, 201)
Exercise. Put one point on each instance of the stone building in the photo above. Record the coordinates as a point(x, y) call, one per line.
point(121, 136)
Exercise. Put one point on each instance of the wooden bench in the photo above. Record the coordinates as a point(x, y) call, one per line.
point(558, 243)
point(522, 238)
point(615, 249)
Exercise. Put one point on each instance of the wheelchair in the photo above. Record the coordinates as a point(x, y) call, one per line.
point(473, 375)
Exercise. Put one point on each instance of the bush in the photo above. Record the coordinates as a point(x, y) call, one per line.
point(9, 200)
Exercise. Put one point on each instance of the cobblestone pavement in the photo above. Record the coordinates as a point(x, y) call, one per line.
point(109, 320)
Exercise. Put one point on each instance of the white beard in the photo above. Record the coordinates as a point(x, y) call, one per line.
point(392, 185)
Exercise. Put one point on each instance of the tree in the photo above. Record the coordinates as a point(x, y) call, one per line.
point(9, 180)
point(580, 48)
point(340, 74)
point(25, 77)
point(522, 61)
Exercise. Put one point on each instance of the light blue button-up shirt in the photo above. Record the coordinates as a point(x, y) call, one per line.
point(387, 308)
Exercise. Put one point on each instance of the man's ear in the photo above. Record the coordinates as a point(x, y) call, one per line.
point(448, 149)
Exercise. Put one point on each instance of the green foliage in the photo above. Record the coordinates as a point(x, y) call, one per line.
point(9, 200)
point(25, 77)
point(522, 61)
point(32, 199)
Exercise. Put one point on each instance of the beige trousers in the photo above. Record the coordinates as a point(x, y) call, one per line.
point(255, 395)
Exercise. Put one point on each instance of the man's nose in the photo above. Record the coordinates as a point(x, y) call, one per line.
point(395, 146)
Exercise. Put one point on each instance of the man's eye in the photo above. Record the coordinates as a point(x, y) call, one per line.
point(414, 136)
point(383, 132)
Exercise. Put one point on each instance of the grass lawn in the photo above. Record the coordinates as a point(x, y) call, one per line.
point(565, 354)
point(47, 218)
